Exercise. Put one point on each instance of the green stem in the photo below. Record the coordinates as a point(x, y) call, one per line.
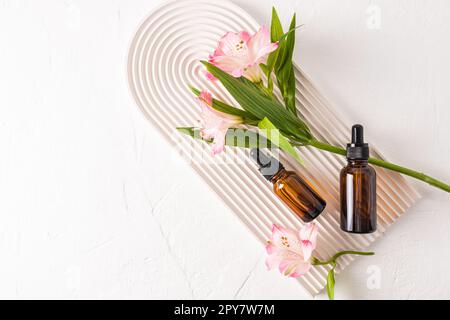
point(332, 260)
point(384, 164)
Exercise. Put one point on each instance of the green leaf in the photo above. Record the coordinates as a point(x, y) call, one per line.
point(248, 95)
point(284, 69)
point(281, 61)
point(274, 135)
point(276, 29)
point(276, 34)
point(331, 281)
point(289, 41)
point(225, 108)
point(241, 138)
point(330, 284)
point(285, 35)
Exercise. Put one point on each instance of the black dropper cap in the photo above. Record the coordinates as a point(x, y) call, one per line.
point(357, 150)
point(268, 166)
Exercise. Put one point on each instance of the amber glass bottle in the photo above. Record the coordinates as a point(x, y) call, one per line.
point(298, 194)
point(358, 183)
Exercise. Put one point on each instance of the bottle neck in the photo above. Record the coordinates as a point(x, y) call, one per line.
point(278, 175)
point(358, 162)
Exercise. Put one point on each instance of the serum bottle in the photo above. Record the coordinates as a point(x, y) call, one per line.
point(358, 182)
point(298, 194)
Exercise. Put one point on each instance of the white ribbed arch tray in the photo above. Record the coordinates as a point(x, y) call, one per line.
point(164, 59)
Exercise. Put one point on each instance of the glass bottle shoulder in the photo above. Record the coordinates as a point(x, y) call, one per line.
point(359, 167)
point(284, 176)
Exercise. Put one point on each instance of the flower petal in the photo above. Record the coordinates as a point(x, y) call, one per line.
point(259, 46)
point(272, 261)
point(270, 248)
point(230, 64)
point(286, 238)
point(288, 252)
point(309, 232)
point(233, 44)
point(215, 124)
point(209, 76)
point(206, 97)
point(300, 270)
point(307, 249)
point(294, 267)
point(219, 141)
point(232, 54)
point(308, 239)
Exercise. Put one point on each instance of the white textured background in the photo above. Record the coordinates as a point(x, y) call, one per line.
point(93, 203)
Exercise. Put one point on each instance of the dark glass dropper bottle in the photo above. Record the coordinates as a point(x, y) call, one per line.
point(358, 188)
point(298, 194)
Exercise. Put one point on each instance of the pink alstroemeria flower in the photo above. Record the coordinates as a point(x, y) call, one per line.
point(214, 123)
point(291, 251)
point(240, 54)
